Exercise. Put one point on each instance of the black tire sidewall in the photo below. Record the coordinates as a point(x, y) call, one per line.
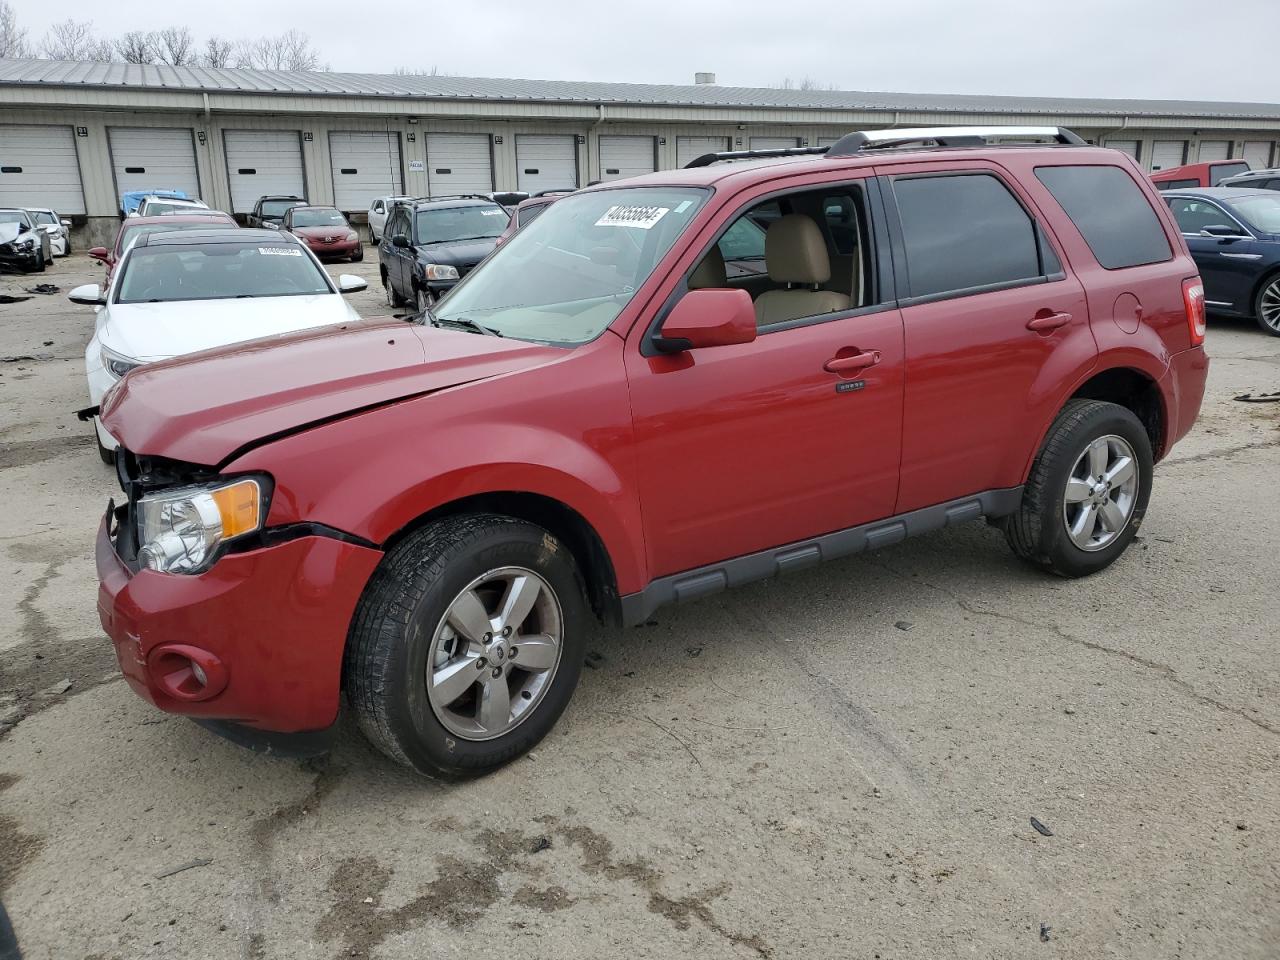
point(1257, 305)
point(1055, 542)
point(428, 744)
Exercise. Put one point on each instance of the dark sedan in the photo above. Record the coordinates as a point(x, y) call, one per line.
point(1234, 236)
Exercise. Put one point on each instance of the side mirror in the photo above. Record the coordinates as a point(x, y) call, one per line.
point(708, 318)
point(1220, 230)
point(99, 253)
point(66, 223)
point(350, 283)
point(401, 241)
point(90, 295)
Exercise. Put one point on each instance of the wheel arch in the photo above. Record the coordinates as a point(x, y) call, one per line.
point(1136, 391)
point(1263, 279)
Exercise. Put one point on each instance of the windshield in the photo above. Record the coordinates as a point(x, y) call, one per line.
point(565, 277)
point(13, 216)
point(1262, 213)
point(130, 234)
point(450, 224)
point(44, 216)
point(217, 271)
point(158, 208)
point(318, 218)
point(277, 208)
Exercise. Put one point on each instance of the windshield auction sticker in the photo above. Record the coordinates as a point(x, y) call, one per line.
point(642, 218)
point(280, 251)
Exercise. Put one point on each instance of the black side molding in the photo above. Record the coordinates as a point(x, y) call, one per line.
point(705, 581)
point(307, 743)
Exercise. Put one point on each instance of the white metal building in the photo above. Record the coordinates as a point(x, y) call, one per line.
point(76, 135)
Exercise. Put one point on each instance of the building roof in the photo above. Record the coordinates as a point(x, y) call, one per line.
point(49, 73)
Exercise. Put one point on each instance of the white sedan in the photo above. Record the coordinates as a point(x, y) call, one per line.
point(178, 293)
point(59, 230)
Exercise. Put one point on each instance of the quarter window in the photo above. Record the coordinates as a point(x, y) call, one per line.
point(1111, 212)
point(964, 231)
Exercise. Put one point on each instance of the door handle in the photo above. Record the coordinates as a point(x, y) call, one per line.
point(859, 361)
point(1048, 321)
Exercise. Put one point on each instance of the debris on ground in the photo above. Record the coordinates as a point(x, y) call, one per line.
point(593, 660)
point(692, 652)
point(44, 288)
point(5, 298)
point(1044, 932)
point(183, 867)
point(904, 624)
point(1259, 397)
point(59, 688)
point(542, 843)
point(1041, 828)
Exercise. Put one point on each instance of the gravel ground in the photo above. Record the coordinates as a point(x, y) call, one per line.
point(844, 763)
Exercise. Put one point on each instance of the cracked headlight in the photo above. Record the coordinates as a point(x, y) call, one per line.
point(181, 530)
point(440, 271)
point(117, 364)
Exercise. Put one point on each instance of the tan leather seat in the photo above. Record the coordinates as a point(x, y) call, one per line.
point(710, 272)
point(794, 252)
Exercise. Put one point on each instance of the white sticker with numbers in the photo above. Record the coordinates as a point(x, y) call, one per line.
point(642, 218)
point(280, 251)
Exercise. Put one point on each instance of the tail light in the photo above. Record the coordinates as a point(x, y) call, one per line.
point(1193, 299)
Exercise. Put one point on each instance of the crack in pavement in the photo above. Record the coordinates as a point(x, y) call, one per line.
point(1164, 669)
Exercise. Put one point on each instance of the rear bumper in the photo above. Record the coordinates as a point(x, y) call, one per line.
point(274, 620)
point(1183, 388)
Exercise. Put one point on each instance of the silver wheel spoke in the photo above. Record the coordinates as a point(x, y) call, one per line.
point(522, 594)
point(1078, 491)
point(1082, 529)
point(469, 617)
point(454, 679)
point(495, 705)
point(1112, 516)
point(1099, 454)
point(1121, 471)
point(536, 653)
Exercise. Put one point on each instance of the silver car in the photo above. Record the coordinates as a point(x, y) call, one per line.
point(22, 244)
point(59, 230)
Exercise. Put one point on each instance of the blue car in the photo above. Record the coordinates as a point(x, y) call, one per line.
point(1234, 236)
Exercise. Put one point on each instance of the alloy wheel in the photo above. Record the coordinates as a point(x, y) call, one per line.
point(494, 653)
point(1101, 493)
point(1269, 305)
point(390, 294)
point(425, 300)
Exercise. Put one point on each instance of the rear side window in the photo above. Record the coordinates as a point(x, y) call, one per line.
point(1111, 212)
point(1220, 171)
point(964, 231)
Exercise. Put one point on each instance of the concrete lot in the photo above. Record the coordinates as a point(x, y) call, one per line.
point(840, 764)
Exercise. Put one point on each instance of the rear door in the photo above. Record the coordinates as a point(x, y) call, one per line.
point(1228, 265)
point(988, 312)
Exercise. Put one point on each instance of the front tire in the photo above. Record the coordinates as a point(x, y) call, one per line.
point(393, 299)
point(1266, 306)
point(423, 300)
point(467, 644)
point(1087, 493)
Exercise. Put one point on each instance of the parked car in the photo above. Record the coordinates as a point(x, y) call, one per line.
point(22, 243)
point(130, 200)
point(1207, 174)
point(429, 244)
point(599, 421)
point(1234, 237)
point(378, 211)
point(181, 292)
point(1268, 179)
point(59, 230)
point(269, 211)
point(159, 206)
point(325, 230)
point(136, 227)
point(526, 212)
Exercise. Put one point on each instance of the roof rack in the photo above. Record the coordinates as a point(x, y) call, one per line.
point(861, 141)
point(447, 196)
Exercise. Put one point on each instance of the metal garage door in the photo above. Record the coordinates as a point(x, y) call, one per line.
point(38, 168)
point(263, 163)
point(690, 148)
point(546, 163)
point(1168, 153)
point(1124, 146)
point(154, 158)
point(774, 143)
point(626, 157)
point(366, 166)
point(1258, 154)
point(1215, 150)
point(459, 163)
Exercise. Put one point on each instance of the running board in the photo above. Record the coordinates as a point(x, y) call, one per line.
point(716, 577)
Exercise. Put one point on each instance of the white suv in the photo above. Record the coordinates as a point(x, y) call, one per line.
point(158, 206)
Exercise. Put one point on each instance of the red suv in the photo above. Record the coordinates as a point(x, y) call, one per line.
point(657, 390)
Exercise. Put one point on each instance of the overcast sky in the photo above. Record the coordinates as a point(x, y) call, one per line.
point(1171, 49)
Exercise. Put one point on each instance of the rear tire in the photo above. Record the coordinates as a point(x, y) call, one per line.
point(358, 256)
point(38, 266)
point(403, 640)
point(1078, 529)
point(1266, 305)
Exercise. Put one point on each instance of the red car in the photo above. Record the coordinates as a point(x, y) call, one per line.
point(676, 384)
point(131, 229)
point(528, 211)
point(325, 230)
point(1207, 174)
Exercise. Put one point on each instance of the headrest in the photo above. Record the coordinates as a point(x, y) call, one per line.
point(709, 272)
point(795, 252)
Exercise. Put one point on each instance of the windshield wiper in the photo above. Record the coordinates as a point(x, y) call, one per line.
point(465, 323)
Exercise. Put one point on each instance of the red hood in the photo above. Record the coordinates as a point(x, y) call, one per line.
point(203, 407)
